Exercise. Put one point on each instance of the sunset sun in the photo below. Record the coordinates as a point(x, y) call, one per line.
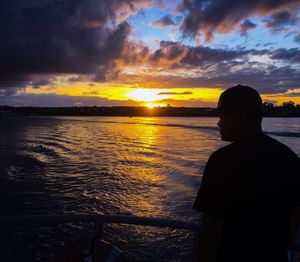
point(146, 95)
point(152, 105)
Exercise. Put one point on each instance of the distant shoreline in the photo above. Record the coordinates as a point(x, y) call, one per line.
point(269, 110)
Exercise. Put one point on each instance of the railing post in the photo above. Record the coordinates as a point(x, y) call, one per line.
point(98, 230)
point(196, 257)
point(196, 246)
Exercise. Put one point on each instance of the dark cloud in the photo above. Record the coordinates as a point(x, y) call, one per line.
point(277, 21)
point(204, 66)
point(203, 56)
point(297, 38)
point(11, 83)
point(266, 79)
point(41, 81)
point(165, 21)
point(215, 16)
point(135, 53)
point(246, 26)
point(292, 94)
point(106, 72)
point(289, 55)
point(168, 53)
point(88, 40)
point(268, 44)
point(53, 100)
point(12, 89)
point(176, 93)
point(178, 55)
point(62, 37)
point(78, 78)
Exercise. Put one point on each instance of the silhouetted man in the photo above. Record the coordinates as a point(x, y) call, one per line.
point(250, 191)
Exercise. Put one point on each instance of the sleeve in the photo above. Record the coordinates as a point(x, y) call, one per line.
point(212, 197)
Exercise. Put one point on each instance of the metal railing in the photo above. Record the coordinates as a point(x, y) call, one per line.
point(97, 219)
point(100, 220)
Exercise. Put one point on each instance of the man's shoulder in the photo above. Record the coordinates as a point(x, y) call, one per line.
point(222, 152)
point(277, 147)
point(253, 145)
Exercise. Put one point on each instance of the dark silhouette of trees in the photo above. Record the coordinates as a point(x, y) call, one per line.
point(287, 109)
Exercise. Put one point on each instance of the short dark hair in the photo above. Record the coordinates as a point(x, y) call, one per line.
point(242, 99)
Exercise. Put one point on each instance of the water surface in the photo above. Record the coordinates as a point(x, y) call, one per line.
point(109, 165)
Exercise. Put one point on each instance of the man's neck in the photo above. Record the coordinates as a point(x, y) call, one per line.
point(249, 131)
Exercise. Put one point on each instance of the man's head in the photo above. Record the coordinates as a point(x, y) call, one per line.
point(240, 111)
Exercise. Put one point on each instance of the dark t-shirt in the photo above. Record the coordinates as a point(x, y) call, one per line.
point(251, 184)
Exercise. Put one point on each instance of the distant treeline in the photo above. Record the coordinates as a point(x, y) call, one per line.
point(110, 111)
point(287, 109)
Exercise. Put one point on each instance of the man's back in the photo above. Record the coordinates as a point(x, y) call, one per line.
point(251, 184)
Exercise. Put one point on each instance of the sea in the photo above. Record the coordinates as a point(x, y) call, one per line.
point(139, 166)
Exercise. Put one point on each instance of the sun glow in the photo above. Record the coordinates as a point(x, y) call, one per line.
point(152, 105)
point(146, 95)
point(111, 94)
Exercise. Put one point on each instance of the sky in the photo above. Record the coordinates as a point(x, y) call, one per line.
point(147, 52)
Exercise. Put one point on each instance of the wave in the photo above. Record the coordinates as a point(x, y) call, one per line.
point(45, 145)
point(44, 150)
point(205, 128)
point(284, 133)
point(209, 128)
point(213, 128)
